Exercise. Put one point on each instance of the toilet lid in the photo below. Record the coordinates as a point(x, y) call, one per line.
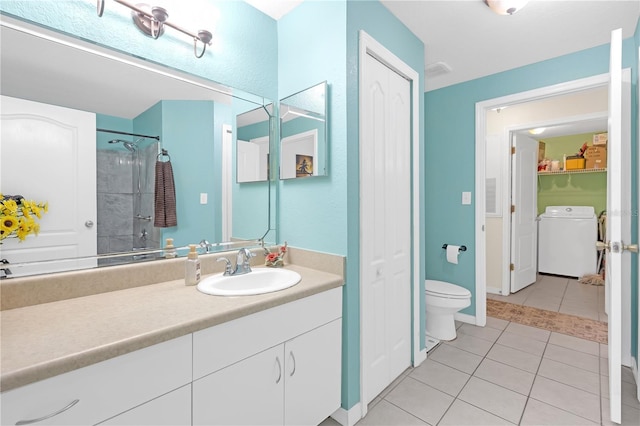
point(441, 288)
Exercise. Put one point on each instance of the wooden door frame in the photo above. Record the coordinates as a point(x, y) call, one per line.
point(369, 46)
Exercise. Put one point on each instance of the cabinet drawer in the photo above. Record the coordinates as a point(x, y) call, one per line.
point(225, 344)
point(172, 409)
point(102, 390)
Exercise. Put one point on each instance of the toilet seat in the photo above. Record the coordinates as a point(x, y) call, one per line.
point(446, 290)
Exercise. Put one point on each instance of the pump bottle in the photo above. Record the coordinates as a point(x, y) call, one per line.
point(192, 269)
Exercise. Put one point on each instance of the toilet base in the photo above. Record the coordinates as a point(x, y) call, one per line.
point(441, 326)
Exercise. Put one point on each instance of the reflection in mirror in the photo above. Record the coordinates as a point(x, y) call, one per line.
point(89, 139)
point(252, 144)
point(303, 133)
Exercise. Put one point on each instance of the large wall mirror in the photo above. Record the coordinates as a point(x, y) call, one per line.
point(99, 173)
point(303, 133)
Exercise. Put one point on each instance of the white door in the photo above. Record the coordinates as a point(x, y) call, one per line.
point(385, 239)
point(48, 153)
point(524, 199)
point(613, 259)
point(248, 161)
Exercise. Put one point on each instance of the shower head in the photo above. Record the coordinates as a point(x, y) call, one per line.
point(129, 145)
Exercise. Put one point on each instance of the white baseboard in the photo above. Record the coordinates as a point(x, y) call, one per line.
point(421, 357)
point(466, 318)
point(348, 417)
point(634, 370)
point(495, 290)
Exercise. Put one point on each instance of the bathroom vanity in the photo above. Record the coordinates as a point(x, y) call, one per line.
point(164, 353)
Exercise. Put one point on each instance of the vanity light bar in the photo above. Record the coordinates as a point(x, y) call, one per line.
point(152, 24)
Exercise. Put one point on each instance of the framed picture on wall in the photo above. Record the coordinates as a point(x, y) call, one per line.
point(304, 165)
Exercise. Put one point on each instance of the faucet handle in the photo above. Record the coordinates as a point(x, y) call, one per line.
point(227, 267)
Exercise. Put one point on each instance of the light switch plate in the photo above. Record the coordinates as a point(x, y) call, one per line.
point(203, 198)
point(466, 198)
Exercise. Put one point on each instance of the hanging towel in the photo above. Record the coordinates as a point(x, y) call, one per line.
point(165, 196)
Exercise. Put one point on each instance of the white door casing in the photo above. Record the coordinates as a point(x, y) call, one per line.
point(48, 153)
point(523, 220)
point(613, 256)
point(227, 182)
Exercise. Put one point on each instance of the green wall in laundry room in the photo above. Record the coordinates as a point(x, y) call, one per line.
point(572, 189)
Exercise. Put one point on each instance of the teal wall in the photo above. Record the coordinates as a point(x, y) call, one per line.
point(450, 133)
point(318, 41)
point(187, 135)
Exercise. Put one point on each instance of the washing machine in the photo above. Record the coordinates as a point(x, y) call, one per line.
point(567, 237)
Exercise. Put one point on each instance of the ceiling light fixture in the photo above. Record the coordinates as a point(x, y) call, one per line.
point(152, 20)
point(506, 7)
point(537, 130)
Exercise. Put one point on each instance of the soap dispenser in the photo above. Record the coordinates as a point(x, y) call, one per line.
point(192, 269)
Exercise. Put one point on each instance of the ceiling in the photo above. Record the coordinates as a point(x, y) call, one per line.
point(475, 42)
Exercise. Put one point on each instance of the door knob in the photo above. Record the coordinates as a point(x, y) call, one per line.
point(631, 247)
point(89, 224)
point(601, 245)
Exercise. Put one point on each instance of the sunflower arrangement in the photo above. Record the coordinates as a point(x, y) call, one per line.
point(18, 216)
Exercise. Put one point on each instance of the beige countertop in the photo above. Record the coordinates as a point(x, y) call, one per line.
point(44, 340)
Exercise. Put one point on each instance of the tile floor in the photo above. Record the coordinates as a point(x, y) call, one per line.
point(503, 374)
point(560, 294)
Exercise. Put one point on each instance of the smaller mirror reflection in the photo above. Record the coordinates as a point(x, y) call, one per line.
point(303, 133)
point(252, 145)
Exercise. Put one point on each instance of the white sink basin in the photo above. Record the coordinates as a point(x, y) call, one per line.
point(258, 281)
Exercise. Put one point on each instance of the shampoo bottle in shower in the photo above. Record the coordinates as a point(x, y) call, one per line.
point(192, 270)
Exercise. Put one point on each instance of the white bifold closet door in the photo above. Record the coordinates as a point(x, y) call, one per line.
point(385, 229)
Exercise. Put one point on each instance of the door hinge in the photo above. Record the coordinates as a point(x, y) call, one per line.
point(513, 150)
point(513, 208)
point(512, 267)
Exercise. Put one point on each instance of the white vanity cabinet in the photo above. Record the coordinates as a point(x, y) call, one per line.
point(277, 367)
point(102, 390)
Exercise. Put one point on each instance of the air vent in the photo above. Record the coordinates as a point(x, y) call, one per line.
point(436, 69)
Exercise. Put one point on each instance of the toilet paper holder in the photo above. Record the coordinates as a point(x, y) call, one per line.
point(462, 248)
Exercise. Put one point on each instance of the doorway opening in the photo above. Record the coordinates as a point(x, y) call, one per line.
point(580, 101)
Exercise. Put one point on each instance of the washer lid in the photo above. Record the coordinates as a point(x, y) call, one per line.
point(569, 212)
point(446, 289)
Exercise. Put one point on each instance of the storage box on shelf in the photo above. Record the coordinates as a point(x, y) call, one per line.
point(575, 163)
point(596, 157)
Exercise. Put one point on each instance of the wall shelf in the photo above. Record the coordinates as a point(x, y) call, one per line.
point(570, 172)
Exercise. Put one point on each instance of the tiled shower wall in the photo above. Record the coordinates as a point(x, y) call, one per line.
point(119, 202)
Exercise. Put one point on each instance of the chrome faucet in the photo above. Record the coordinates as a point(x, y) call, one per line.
point(242, 263)
point(205, 245)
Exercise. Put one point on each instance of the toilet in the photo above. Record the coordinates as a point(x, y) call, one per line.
point(443, 300)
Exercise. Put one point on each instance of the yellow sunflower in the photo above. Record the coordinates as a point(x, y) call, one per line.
point(9, 223)
point(9, 207)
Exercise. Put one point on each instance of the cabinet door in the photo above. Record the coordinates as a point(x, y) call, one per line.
point(100, 391)
point(313, 374)
point(249, 392)
point(171, 409)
